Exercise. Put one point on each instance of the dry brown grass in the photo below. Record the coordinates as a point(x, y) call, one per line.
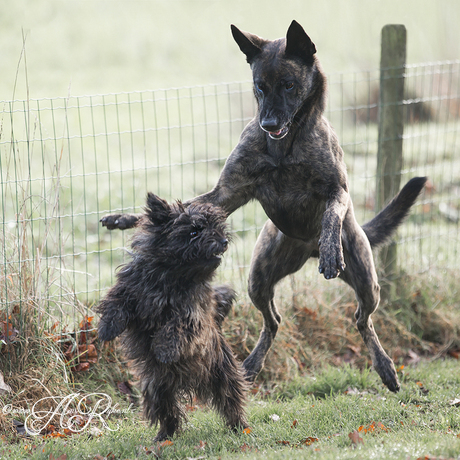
point(422, 322)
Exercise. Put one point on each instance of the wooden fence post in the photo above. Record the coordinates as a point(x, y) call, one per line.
point(390, 137)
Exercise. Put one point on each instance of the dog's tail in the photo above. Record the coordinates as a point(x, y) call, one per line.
point(380, 229)
point(225, 296)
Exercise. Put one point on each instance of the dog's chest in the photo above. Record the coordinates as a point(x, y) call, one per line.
point(292, 197)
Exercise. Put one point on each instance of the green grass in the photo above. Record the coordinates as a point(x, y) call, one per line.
point(322, 408)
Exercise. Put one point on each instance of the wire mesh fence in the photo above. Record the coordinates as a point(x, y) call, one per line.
point(64, 163)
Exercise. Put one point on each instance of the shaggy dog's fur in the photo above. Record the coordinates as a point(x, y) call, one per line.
point(170, 316)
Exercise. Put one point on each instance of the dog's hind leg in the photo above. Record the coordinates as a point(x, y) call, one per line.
point(275, 256)
point(360, 274)
point(228, 388)
point(161, 405)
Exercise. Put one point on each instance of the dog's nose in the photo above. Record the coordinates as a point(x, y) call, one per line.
point(224, 244)
point(269, 124)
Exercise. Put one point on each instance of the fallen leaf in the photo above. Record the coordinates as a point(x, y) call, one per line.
point(87, 351)
point(81, 367)
point(85, 323)
point(201, 445)
point(355, 438)
point(311, 313)
point(423, 390)
point(245, 448)
point(275, 417)
point(78, 420)
point(382, 427)
point(455, 402)
point(454, 353)
point(148, 450)
point(166, 443)
point(309, 441)
point(247, 430)
point(294, 424)
point(55, 434)
point(7, 332)
point(372, 428)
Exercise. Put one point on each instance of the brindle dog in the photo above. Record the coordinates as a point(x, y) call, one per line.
point(289, 159)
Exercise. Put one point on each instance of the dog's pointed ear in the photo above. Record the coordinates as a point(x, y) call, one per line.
point(298, 43)
point(158, 210)
point(250, 45)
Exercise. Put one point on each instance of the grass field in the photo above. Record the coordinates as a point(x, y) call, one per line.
point(333, 413)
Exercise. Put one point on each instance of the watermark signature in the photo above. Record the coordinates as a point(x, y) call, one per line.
point(75, 412)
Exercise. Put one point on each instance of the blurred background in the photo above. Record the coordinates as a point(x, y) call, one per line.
point(99, 46)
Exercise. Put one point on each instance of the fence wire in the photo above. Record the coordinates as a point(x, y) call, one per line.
point(66, 162)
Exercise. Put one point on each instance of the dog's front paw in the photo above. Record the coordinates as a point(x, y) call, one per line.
point(119, 221)
point(331, 261)
point(112, 325)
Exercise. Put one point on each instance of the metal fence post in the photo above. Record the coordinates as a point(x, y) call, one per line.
point(390, 136)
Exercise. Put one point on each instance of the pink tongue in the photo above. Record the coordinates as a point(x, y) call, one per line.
point(277, 132)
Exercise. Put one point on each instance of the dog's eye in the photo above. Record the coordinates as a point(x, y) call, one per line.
point(259, 88)
point(289, 85)
point(194, 233)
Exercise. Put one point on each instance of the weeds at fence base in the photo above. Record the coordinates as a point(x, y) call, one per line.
point(42, 364)
point(422, 322)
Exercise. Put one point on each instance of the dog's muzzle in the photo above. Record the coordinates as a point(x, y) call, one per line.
point(219, 249)
point(277, 135)
point(269, 127)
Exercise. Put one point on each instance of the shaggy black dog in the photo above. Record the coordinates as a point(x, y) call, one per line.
point(171, 317)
